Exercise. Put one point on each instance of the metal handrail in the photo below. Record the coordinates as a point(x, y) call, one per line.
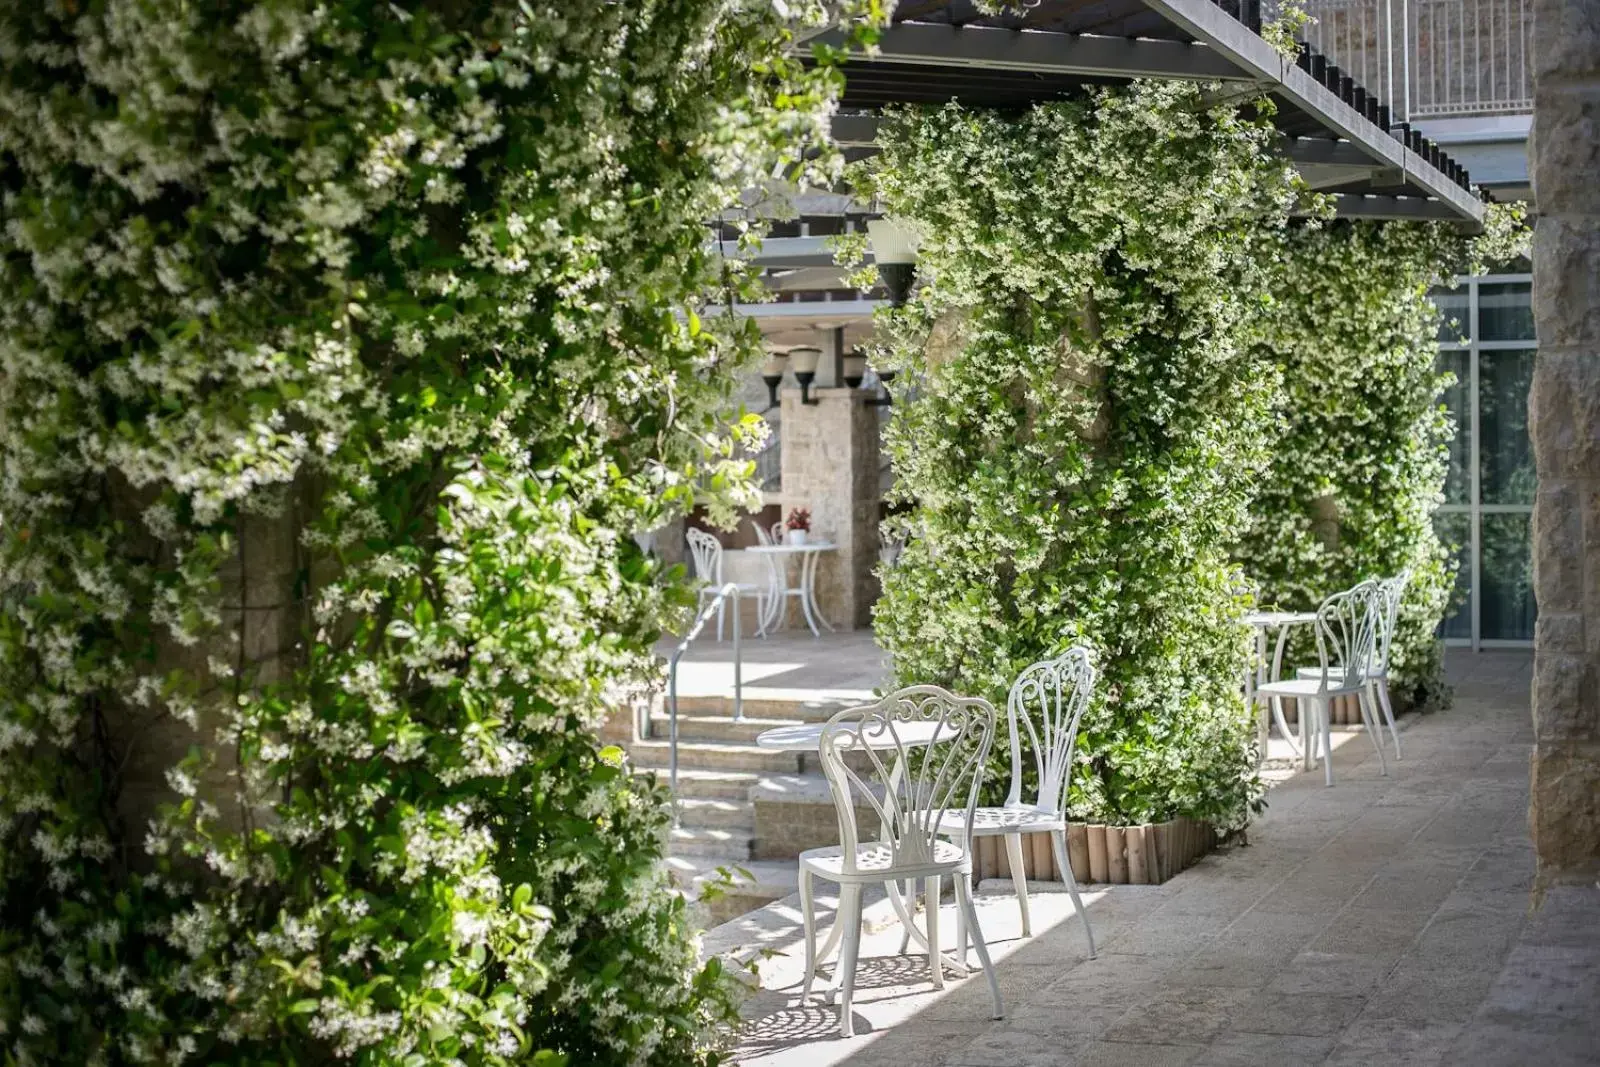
point(729, 590)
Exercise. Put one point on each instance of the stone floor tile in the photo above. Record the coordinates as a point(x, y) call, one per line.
point(1418, 992)
point(1309, 1014)
point(1552, 988)
point(1567, 915)
point(1074, 1021)
point(1394, 1043)
point(1328, 972)
point(1134, 1054)
point(1178, 1016)
point(1497, 1045)
point(1009, 1046)
point(1264, 1050)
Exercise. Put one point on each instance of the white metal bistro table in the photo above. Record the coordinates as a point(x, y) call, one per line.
point(1264, 622)
point(810, 554)
point(807, 737)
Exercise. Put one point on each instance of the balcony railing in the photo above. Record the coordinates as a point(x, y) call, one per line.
point(1432, 58)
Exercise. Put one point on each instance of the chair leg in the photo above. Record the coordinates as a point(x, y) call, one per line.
point(935, 964)
point(1019, 879)
point(1325, 713)
point(961, 922)
point(720, 608)
point(808, 911)
point(850, 915)
point(964, 901)
point(1369, 719)
point(1059, 840)
point(910, 894)
point(1382, 687)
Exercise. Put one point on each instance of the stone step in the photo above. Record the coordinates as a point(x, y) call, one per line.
point(712, 755)
point(795, 705)
point(728, 785)
point(713, 727)
point(724, 814)
point(710, 841)
point(756, 883)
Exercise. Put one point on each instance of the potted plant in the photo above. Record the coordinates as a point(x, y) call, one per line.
point(797, 526)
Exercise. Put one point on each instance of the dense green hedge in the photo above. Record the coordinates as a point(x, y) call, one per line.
point(342, 345)
point(1359, 457)
point(1087, 421)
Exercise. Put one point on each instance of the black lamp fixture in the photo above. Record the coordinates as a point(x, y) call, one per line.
point(855, 372)
point(772, 374)
point(894, 250)
point(804, 361)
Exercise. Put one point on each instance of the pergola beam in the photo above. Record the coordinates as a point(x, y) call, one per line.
point(933, 44)
point(1356, 206)
point(861, 131)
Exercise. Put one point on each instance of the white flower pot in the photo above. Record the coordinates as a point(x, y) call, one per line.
point(795, 537)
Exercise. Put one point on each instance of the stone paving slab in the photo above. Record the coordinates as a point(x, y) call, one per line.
point(1383, 921)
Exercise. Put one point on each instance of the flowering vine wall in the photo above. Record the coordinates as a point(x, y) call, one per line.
point(343, 344)
point(1358, 461)
point(1087, 422)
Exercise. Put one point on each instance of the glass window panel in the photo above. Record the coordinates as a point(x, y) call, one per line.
point(1506, 463)
point(1455, 530)
point(1507, 611)
point(1454, 306)
point(1457, 481)
point(1505, 311)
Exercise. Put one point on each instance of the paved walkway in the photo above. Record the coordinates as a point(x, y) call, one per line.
point(1384, 921)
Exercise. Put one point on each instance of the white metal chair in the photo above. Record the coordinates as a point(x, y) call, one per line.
point(920, 753)
point(706, 553)
point(1048, 700)
point(777, 600)
point(1346, 629)
point(1391, 594)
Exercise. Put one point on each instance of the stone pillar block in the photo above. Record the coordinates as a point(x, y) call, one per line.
point(1564, 424)
point(831, 468)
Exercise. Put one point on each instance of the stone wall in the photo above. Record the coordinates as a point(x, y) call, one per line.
point(1564, 422)
point(830, 467)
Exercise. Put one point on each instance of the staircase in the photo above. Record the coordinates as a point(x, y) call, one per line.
point(719, 765)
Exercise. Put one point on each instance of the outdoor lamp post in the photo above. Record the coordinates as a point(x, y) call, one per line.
point(772, 374)
point(894, 249)
point(804, 361)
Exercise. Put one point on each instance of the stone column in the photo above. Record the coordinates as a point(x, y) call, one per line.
point(1564, 423)
point(830, 466)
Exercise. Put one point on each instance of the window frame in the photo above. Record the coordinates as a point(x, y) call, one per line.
point(1475, 509)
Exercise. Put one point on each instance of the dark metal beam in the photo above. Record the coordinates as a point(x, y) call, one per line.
point(858, 131)
point(1352, 206)
point(1045, 52)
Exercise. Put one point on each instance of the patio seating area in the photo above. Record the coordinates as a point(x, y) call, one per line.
point(1387, 920)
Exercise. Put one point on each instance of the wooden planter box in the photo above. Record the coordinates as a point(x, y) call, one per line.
point(1111, 855)
point(1346, 711)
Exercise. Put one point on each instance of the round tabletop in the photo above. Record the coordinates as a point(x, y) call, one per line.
point(807, 737)
point(809, 546)
point(1279, 618)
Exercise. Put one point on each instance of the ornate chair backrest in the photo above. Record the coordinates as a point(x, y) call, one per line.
point(889, 551)
point(778, 532)
point(910, 757)
point(706, 552)
point(763, 535)
point(1048, 700)
point(1392, 593)
point(1347, 634)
